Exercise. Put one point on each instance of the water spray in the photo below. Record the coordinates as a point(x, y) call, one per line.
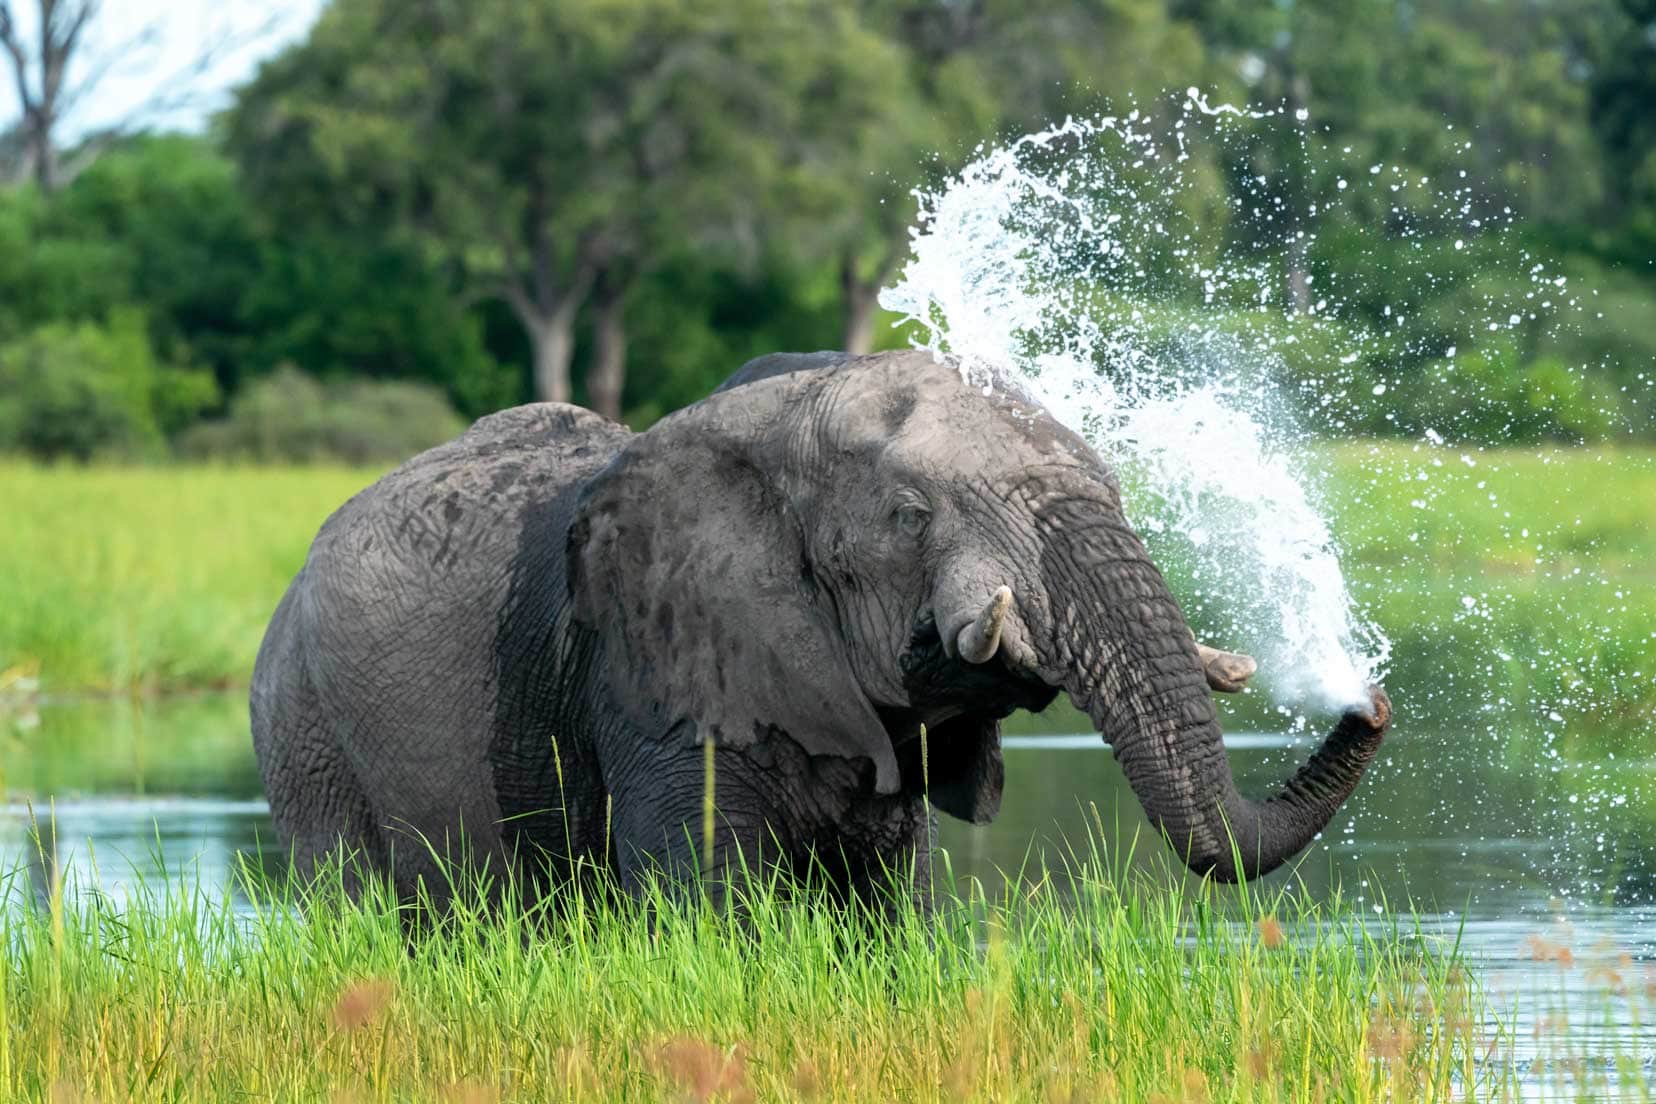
point(1034, 266)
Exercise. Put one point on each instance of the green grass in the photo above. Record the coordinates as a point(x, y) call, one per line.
point(1555, 548)
point(151, 578)
point(1121, 992)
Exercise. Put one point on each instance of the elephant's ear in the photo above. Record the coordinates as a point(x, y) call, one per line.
point(688, 563)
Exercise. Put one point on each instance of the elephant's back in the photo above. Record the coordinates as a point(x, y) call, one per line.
point(405, 582)
point(444, 511)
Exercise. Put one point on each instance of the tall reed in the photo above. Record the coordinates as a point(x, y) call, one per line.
point(1110, 990)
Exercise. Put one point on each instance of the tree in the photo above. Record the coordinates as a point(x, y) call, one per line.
point(963, 72)
point(548, 153)
point(161, 224)
point(1623, 89)
point(715, 114)
point(81, 390)
point(62, 25)
point(1474, 98)
point(61, 67)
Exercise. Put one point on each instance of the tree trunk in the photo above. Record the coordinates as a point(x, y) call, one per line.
point(42, 155)
point(861, 301)
point(609, 348)
point(1299, 282)
point(552, 339)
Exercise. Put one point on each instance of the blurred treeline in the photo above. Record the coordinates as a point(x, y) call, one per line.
point(429, 209)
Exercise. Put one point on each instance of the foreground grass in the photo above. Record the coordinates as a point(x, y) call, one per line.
point(1120, 992)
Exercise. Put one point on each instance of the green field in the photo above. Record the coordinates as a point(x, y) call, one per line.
point(151, 579)
point(162, 579)
point(1554, 549)
point(1119, 993)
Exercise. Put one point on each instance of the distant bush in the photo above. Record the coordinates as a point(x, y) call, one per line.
point(91, 389)
point(290, 417)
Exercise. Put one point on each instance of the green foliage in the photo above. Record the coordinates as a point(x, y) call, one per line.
point(289, 417)
point(1477, 117)
point(569, 149)
point(483, 197)
point(695, 325)
point(162, 226)
point(344, 308)
point(158, 225)
point(80, 390)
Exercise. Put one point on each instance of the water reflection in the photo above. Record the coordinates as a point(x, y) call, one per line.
point(109, 844)
point(1448, 822)
point(1430, 826)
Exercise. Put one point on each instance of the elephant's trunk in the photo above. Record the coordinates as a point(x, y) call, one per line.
point(1120, 647)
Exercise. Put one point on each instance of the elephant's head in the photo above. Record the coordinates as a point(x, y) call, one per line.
point(843, 553)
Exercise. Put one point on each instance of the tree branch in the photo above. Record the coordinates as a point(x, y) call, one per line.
point(522, 305)
point(20, 60)
point(63, 44)
point(58, 41)
point(175, 90)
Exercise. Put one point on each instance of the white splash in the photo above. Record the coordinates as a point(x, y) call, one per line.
point(1037, 260)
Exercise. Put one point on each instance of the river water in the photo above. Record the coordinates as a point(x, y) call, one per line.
point(1517, 857)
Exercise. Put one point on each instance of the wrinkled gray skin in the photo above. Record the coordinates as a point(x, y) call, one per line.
point(523, 638)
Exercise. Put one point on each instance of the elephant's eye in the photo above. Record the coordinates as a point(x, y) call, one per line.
point(911, 518)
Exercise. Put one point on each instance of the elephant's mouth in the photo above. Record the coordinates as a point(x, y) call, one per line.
point(947, 692)
point(961, 705)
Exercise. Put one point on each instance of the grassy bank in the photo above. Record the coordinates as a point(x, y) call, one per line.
point(1524, 578)
point(163, 579)
point(1516, 586)
point(151, 578)
point(1117, 994)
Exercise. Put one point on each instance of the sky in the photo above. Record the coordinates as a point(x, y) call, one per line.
point(143, 47)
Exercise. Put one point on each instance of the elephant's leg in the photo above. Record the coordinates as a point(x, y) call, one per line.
point(329, 821)
point(661, 829)
point(321, 813)
point(419, 747)
point(888, 858)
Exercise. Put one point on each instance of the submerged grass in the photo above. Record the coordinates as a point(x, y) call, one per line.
point(1113, 990)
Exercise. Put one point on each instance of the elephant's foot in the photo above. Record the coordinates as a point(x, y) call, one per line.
point(1227, 672)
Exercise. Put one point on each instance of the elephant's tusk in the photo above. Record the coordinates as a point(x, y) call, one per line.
point(1226, 672)
point(979, 641)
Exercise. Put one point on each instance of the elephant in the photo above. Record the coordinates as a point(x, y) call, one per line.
point(545, 646)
